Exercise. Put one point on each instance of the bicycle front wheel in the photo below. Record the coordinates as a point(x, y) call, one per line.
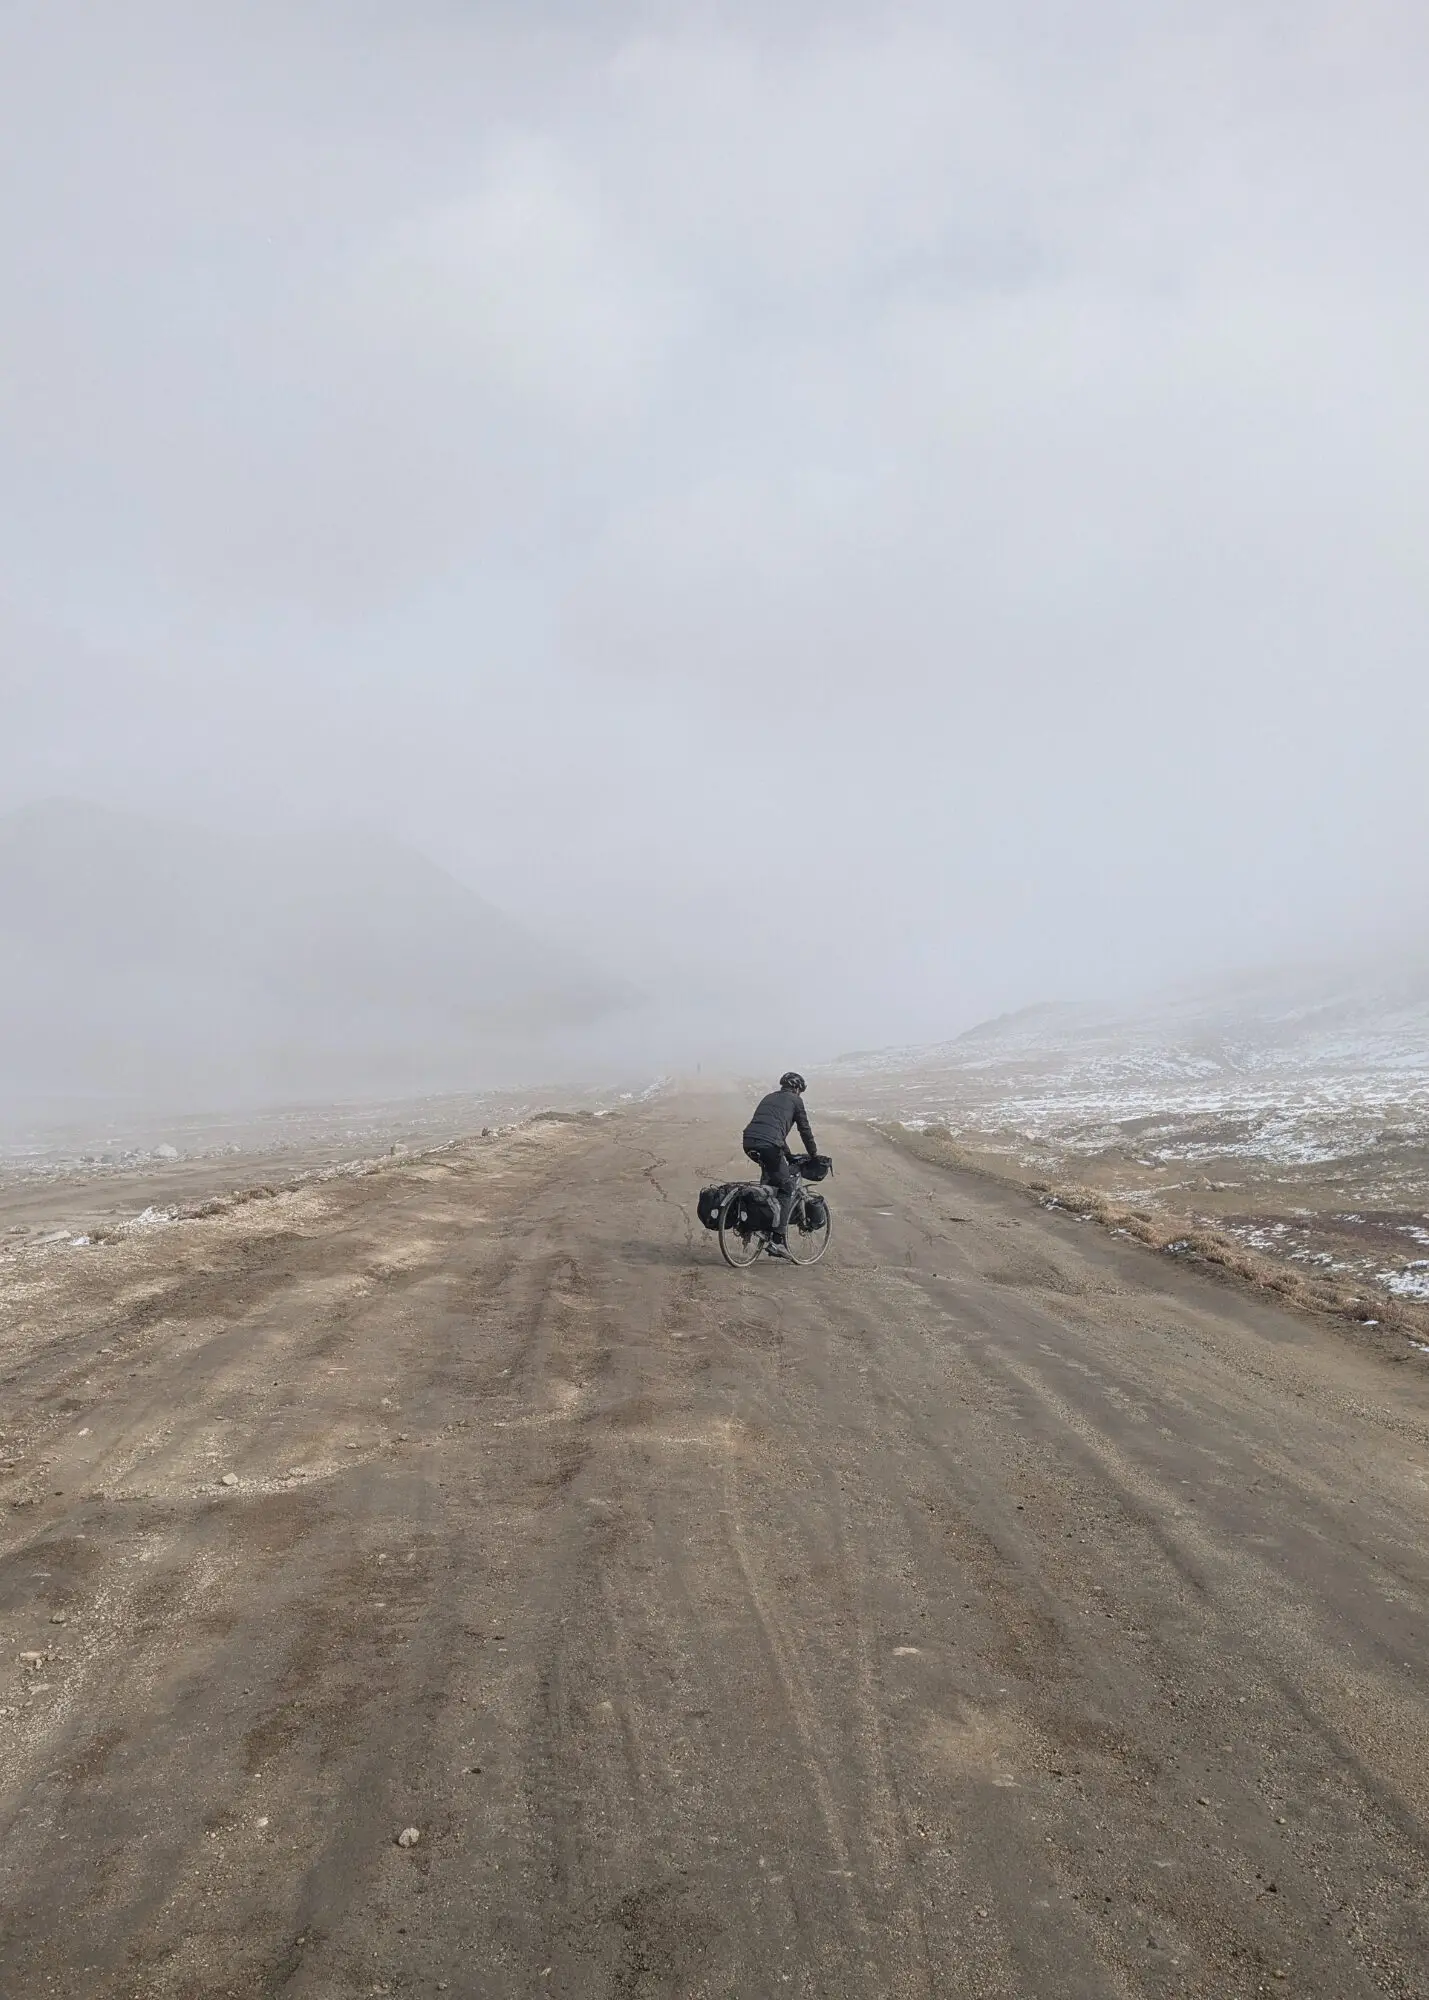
point(739, 1244)
point(807, 1242)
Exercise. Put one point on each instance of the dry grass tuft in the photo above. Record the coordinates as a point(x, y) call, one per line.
point(1210, 1249)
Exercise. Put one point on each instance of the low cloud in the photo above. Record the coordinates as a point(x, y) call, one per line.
point(973, 461)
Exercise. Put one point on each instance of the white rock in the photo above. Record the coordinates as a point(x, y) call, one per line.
point(166, 1152)
point(409, 1836)
point(229, 1479)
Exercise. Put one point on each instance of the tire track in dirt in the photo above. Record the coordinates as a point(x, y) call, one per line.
point(988, 1611)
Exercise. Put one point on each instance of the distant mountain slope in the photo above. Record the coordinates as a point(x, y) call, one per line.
point(139, 955)
point(1364, 1029)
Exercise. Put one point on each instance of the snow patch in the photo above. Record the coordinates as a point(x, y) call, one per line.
point(1410, 1283)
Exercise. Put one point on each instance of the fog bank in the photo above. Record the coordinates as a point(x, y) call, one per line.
point(838, 523)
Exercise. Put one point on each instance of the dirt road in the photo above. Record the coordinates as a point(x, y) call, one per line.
point(996, 1609)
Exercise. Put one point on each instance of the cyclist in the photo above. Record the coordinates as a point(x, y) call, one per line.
point(764, 1143)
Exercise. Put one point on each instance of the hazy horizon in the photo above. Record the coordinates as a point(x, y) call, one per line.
point(849, 524)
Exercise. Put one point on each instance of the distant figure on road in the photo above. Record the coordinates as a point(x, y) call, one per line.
point(765, 1139)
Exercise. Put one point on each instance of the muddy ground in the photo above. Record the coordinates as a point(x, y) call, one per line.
point(995, 1609)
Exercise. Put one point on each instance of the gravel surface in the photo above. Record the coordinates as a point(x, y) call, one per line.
point(448, 1577)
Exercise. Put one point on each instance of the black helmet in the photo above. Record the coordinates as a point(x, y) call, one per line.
point(791, 1080)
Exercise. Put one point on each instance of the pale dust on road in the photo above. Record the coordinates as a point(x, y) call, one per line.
point(994, 1609)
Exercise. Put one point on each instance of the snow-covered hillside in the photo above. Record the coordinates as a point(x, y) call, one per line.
point(1293, 1068)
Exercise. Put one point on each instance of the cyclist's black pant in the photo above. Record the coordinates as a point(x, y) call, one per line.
point(777, 1172)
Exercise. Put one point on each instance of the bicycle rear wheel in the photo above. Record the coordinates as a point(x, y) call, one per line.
point(739, 1245)
point(806, 1246)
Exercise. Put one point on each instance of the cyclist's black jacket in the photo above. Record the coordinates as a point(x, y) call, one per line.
point(773, 1115)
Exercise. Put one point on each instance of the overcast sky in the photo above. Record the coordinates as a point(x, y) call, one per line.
point(875, 514)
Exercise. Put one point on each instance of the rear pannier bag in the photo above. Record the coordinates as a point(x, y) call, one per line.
point(756, 1208)
point(712, 1201)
